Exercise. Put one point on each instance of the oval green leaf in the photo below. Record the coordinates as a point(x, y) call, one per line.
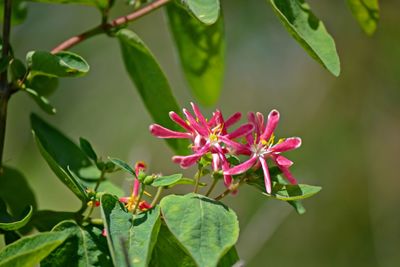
point(45, 220)
point(84, 247)
point(201, 50)
point(309, 31)
point(134, 234)
point(11, 224)
point(151, 83)
point(206, 228)
point(62, 64)
point(123, 165)
point(30, 250)
point(87, 148)
point(167, 180)
point(42, 101)
point(367, 14)
point(207, 11)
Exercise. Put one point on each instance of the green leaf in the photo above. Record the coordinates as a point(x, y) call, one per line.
point(19, 11)
point(45, 220)
point(85, 246)
point(87, 148)
point(65, 176)
point(207, 11)
point(206, 228)
point(367, 14)
point(167, 180)
point(309, 31)
point(30, 250)
point(62, 64)
point(185, 181)
point(8, 223)
point(151, 83)
point(43, 85)
point(230, 258)
point(15, 191)
point(99, 3)
point(17, 70)
point(123, 165)
point(201, 50)
point(109, 187)
point(286, 192)
point(136, 234)
point(42, 102)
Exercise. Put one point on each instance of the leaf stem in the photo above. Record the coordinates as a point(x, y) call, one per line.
point(157, 196)
point(95, 190)
point(232, 188)
point(197, 178)
point(138, 200)
point(106, 27)
point(214, 183)
point(5, 88)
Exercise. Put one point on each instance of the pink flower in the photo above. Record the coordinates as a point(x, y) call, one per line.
point(260, 146)
point(206, 137)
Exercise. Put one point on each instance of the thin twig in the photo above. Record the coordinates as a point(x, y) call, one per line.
point(214, 183)
point(4, 86)
point(105, 27)
point(157, 196)
point(231, 189)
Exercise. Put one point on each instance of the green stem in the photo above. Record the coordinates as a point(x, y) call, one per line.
point(157, 196)
point(106, 27)
point(231, 189)
point(95, 190)
point(214, 183)
point(197, 178)
point(138, 200)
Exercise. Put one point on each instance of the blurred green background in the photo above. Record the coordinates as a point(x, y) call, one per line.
point(350, 125)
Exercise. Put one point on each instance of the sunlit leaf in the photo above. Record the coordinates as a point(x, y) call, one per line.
point(207, 11)
point(201, 50)
point(309, 31)
point(9, 223)
point(367, 14)
point(206, 228)
point(167, 180)
point(42, 101)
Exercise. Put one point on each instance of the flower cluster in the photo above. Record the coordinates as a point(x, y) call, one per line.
point(214, 137)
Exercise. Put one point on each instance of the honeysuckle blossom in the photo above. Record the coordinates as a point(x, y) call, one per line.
point(206, 137)
point(260, 146)
point(132, 200)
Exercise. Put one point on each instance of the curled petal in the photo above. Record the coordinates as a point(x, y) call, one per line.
point(238, 148)
point(124, 199)
point(143, 206)
point(136, 187)
point(178, 120)
point(241, 131)
point(288, 144)
point(193, 123)
point(161, 132)
point(252, 119)
point(282, 161)
point(273, 119)
point(213, 121)
point(215, 162)
point(241, 168)
point(187, 161)
point(233, 119)
point(288, 175)
point(260, 121)
point(199, 115)
point(267, 178)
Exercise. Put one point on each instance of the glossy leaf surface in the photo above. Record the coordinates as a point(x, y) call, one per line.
point(367, 14)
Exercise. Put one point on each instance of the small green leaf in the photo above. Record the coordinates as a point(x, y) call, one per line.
point(293, 192)
point(30, 250)
point(167, 180)
point(42, 102)
point(135, 233)
point(43, 85)
point(8, 223)
point(62, 64)
point(110, 188)
point(17, 70)
point(206, 228)
point(87, 148)
point(207, 11)
point(85, 246)
point(201, 50)
point(45, 220)
point(16, 191)
point(123, 165)
point(367, 14)
point(151, 84)
point(309, 31)
point(82, 2)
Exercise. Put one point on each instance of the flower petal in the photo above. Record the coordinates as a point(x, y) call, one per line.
point(178, 120)
point(215, 162)
point(186, 161)
point(241, 168)
point(241, 131)
point(288, 175)
point(233, 119)
point(237, 148)
point(273, 119)
point(288, 144)
point(124, 199)
point(199, 115)
point(200, 129)
point(282, 161)
point(136, 187)
point(267, 178)
point(161, 132)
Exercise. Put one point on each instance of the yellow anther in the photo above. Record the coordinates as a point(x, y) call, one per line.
point(147, 194)
point(213, 137)
point(280, 140)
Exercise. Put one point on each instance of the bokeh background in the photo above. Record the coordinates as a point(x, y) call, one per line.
point(350, 125)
